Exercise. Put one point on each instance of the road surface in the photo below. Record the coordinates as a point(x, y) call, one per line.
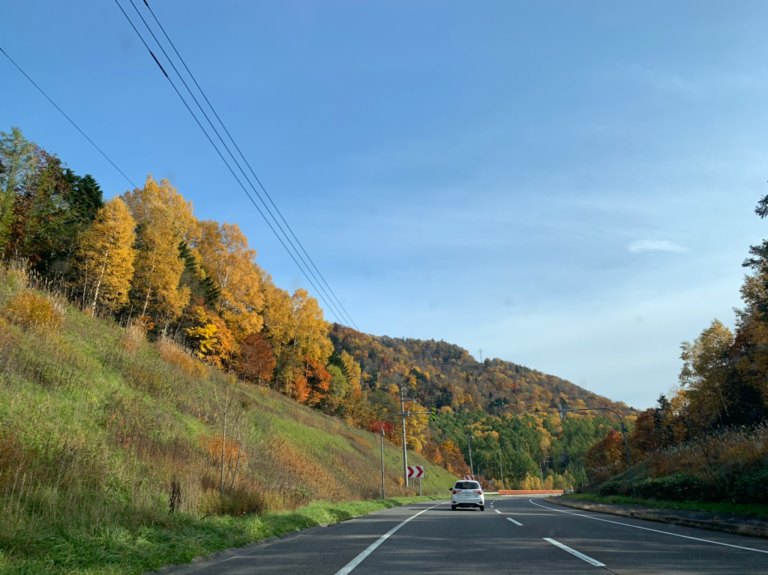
point(512, 535)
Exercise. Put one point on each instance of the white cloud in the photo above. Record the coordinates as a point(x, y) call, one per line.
point(655, 246)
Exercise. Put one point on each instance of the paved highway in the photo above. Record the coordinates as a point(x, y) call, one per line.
point(511, 536)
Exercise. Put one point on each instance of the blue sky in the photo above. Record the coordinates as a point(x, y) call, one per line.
point(566, 185)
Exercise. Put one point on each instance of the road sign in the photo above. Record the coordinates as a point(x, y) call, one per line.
point(469, 478)
point(415, 471)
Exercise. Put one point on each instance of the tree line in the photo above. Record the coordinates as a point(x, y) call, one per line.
point(722, 387)
point(144, 258)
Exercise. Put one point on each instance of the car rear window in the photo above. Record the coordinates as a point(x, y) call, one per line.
point(466, 485)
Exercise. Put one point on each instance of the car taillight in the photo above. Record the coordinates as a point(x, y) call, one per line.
point(455, 491)
point(479, 491)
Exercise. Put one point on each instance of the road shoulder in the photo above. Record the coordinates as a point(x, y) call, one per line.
point(724, 523)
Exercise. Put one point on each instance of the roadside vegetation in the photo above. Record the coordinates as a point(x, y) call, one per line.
point(111, 446)
point(749, 510)
point(707, 442)
point(174, 539)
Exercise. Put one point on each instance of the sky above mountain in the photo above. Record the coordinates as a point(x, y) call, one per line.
point(566, 185)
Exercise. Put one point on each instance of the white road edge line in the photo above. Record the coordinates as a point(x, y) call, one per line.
point(581, 556)
point(515, 522)
point(649, 529)
point(372, 547)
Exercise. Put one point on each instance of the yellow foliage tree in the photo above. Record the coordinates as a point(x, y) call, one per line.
point(296, 330)
point(225, 254)
point(310, 335)
point(353, 373)
point(164, 220)
point(106, 256)
point(214, 342)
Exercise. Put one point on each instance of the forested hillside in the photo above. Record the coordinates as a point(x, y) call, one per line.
point(509, 411)
point(446, 376)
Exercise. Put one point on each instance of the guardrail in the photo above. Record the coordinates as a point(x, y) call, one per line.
point(530, 492)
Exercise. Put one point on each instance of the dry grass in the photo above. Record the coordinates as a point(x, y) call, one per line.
point(740, 447)
point(99, 428)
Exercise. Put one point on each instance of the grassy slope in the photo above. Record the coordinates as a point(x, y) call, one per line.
point(95, 427)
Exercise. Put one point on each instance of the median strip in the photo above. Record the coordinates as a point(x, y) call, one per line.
point(575, 553)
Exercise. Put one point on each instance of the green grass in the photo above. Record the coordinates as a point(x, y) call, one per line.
point(177, 539)
point(723, 508)
point(94, 433)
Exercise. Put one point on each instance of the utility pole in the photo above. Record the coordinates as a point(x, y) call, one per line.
point(383, 492)
point(469, 445)
point(405, 450)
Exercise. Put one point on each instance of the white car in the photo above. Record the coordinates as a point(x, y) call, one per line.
point(467, 494)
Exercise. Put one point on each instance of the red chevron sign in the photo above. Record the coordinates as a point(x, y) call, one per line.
point(415, 471)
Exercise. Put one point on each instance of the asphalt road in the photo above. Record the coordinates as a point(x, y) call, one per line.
point(541, 538)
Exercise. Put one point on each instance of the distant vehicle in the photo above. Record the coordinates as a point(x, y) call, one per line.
point(467, 494)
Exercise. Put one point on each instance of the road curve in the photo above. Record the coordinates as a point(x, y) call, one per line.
point(513, 535)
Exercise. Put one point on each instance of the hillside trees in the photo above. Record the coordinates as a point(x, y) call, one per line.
point(213, 341)
point(226, 256)
point(163, 221)
point(704, 374)
point(106, 257)
point(257, 360)
point(16, 156)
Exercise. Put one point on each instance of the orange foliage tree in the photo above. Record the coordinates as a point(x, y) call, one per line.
point(257, 360)
point(606, 457)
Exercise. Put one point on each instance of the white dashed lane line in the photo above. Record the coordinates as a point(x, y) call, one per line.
point(515, 522)
point(575, 553)
point(349, 567)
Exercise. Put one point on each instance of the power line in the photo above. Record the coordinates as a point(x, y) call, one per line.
point(71, 121)
point(226, 163)
point(330, 305)
point(146, 3)
point(335, 309)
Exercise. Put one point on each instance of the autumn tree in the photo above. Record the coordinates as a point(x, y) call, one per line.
point(338, 388)
point(310, 330)
point(606, 457)
point(352, 372)
point(164, 220)
point(453, 460)
point(106, 257)
point(318, 382)
point(257, 360)
point(297, 332)
point(212, 339)
point(226, 256)
point(706, 366)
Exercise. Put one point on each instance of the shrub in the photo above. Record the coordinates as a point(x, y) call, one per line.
point(30, 310)
point(751, 486)
point(677, 487)
point(616, 487)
